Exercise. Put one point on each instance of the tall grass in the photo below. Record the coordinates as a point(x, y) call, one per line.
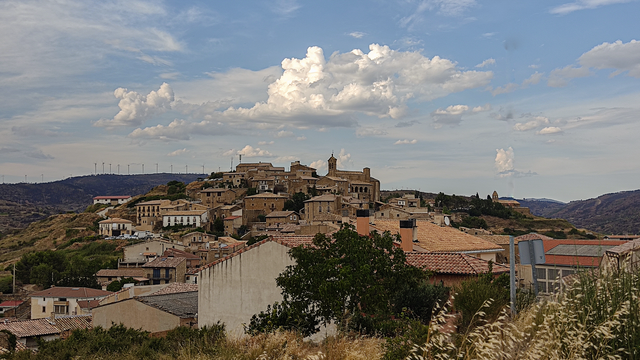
point(596, 317)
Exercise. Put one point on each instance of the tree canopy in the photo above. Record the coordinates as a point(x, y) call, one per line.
point(346, 278)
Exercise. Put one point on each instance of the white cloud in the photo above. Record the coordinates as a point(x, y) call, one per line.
point(369, 131)
point(284, 133)
point(510, 87)
point(505, 164)
point(533, 79)
point(250, 151)
point(178, 152)
point(561, 77)
point(582, 5)
point(504, 161)
point(301, 138)
point(262, 143)
point(357, 34)
point(286, 158)
point(314, 90)
point(530, 125)
point(229, 152)
point(549, 130)
point(617, 55)
point(179, 130)
point(136, 108)
point(169, 76)
point(51, 39)
point(452, 115)
point(344, 159)
point(285, 8)
point(318, 164)
point(486, 63)
point(403, 124)
point(405, 142)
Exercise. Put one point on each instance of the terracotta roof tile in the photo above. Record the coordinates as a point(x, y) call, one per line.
point(68, 292)
point(497, 239)
point(434, 238)
point(532, 236)
point(453, 263)
point(164, 262)
point(175, 288)
point(116, 221)
point(11, 303)
point(29, 328)
point(88, 304)
point(73, 322)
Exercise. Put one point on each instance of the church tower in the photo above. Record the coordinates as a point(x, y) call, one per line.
point(494, 196)
point(333, 162)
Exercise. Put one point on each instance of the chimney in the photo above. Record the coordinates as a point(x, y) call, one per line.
point(362, 222)
point(407, 231)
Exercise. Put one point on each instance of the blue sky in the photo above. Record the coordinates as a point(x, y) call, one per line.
point(532, 99)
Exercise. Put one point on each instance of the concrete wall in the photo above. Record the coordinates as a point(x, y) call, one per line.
point(134, 314)
point(135, 251)
point(236, 289)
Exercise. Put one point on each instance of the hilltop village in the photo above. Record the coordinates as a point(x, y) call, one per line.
point(198, 254)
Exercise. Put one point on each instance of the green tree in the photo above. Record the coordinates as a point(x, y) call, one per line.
point(6, 284)
point(349, 275)
point(218, 225)
point(117, 285)
point(296, 203)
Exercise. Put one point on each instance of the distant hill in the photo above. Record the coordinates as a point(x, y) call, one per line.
point(615, 213)
point(21, 204)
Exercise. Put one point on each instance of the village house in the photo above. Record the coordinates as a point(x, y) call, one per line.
point(107, 276)
point(362, 185)
point(512, 204)
point(136, 255)
point(232, 224)
point(9, 305)
point(212, 197)
point(235, 179)
point(192, 260)
point(197, 240)
point(148, 214)
point(282, 217)
point(156, 313)
point(323, 209)
point(407, 200)
point(622, 257)
point(450, 269)
point(261, 204)
point(112, 200)
point(192, 218)
point(62, 300)
point(165, 270)
point(29, 332)
point(115, 227)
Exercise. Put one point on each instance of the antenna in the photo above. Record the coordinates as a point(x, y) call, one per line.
point(240, 158)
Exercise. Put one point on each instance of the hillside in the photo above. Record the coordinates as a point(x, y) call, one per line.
point(21, 204)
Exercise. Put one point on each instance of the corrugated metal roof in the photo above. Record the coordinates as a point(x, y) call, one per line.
point(579, 250)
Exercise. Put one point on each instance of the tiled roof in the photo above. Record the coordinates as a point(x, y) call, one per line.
point(11, 303)
point(185, 213)
point(280, 214)
point(290, 241)
point(214, 190)
point(180, 253)
point(29, 328)
point(326, 197)
point(184, 304)
point(88, 304)
point(620, 249)
point(434, 238)
point(453, 263)
point(164, 262)
point(122, 272)
point(73, 322)
point(232, 217)
point(151, 202)
point(265, 195)
point(175, 288)
point(497, 239)
point(68, 292)
point(576, 260)
point(532, 236)
point(116, 221)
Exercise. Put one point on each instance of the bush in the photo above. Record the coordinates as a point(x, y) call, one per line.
point(486, 294)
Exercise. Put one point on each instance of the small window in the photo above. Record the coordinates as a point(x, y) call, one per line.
point(44, 309)
point(542, 273)
point(553, 274)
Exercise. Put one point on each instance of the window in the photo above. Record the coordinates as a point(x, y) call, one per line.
point(542, 273)
point(61, 309)
point(44, 309)
point(567, 272)
point(553, 274)
point(542, 286)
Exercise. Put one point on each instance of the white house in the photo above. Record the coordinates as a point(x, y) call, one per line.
point(62, 300)
point(116, 227)
point(196, 218)
point(112, 200)
point(233, 289)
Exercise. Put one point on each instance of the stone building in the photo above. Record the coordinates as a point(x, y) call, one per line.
point(261, 204)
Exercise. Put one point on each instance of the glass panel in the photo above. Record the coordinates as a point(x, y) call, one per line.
point(553, 274)
point(542, 286)
point(567, 272)
point(542, 273)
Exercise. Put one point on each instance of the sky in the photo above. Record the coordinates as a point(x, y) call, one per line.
point(532, 99)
